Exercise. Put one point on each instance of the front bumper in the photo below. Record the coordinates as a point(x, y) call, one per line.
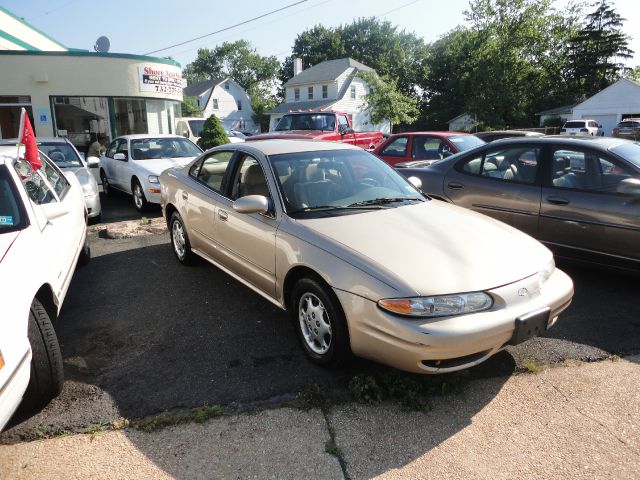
point(93, 205)
point(12, 391)
point(452, 343)
point(152, 192)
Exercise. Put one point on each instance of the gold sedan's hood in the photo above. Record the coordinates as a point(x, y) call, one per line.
point(433, 248)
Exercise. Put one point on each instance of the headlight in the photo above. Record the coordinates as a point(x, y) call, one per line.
point(546, 272)
point(89, 189)
point(154, 179)
point(438, 306)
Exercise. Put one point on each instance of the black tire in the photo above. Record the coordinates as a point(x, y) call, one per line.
point(176, 228)
point(139, 200)
point(338, 350)
point(47, 373)
point(106, 188)
point(85, 254)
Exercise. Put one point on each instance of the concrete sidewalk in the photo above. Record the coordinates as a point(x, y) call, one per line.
point(570, 421)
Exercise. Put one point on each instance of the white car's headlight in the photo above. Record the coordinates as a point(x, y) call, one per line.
point(154, 179)
point(439, 305)
point(89, 189)
point(546, 272)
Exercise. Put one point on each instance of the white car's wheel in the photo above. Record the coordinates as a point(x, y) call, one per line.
point(47, 373)
point(106, 188)
point(320, 323)
point(139, 200)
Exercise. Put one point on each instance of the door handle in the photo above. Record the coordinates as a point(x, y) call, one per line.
point(455, 185)
point(185, 195)
point(557, 200)
point(222, 215)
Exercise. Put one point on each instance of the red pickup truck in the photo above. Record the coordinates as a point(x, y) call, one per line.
point(332, 126)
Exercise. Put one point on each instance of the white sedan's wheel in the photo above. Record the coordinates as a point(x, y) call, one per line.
point(139, 199)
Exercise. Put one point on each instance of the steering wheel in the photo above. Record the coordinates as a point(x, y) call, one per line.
point(368, 182)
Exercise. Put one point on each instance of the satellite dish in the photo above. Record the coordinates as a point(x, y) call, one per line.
point(102, 45)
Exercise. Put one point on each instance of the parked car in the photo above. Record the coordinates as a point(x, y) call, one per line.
point(582, 128)
point(492, 135)
point(191, 128)
point(581, 197)
point(63, 153)
point(362, 261)
point(320, 125)
point(43, 234)
point(133, 164)
point(424, 147)
point(628, 128)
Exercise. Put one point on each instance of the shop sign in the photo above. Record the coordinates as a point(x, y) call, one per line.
point(160, 80)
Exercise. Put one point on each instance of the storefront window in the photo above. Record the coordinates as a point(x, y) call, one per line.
point(10, 114)
point(130, 116)
point(81, 119)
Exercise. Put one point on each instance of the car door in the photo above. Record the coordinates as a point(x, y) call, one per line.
point(396, 150)
point(123, 168)
point(247, 241)
point(347, 134)
point(582, 213)
point(427, 147)
point(107, 163)
point(502, 182)
point(202, 196)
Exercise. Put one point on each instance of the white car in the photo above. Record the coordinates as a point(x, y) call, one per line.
point(191, 128)
point(43, 235)
point(133, 164)
point(582, 128)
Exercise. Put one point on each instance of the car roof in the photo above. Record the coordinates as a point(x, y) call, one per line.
point(14, 141)
point(147, 135)
point(279, 146)
point(602, 142)
point(446, 133)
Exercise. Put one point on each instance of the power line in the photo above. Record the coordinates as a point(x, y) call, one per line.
point(229, 28)
point(398, 8)
point(53, 10)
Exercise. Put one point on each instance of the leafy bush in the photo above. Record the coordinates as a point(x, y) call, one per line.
point(213, 134)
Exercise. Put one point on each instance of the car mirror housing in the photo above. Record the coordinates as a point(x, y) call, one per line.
point(416, 182)
point(120, 156)
point(93, 162)
point(251, 204)
point(629, 186)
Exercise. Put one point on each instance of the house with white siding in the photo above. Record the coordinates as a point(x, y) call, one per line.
point(225, 99)
point(330, 85)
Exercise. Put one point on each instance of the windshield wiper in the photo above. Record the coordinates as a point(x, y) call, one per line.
point(337, 207)
point(382, 201)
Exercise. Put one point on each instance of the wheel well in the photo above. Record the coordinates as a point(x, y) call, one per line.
point(168, 210)
point(134, 180)
point(47, 299)
point(295, 274)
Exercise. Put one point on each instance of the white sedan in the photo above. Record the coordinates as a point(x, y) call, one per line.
point(133, 164)
point(43, 235)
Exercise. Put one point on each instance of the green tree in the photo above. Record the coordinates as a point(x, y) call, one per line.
point(213, 134)
point(597, 50)
point(385, 102)
point(635, 74)
point(189, 108)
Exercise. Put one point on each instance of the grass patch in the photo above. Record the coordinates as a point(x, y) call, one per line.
point(313, 396)
point(166, 419)
point(532, 365)
point(411, 391)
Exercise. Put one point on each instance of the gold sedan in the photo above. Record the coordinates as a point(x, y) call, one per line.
point(362, 261)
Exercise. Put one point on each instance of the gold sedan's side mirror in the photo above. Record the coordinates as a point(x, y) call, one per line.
point(251, 204)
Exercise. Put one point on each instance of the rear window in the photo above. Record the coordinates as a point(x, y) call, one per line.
point(628, 124)
point(574, 125)
point(466, 142)
point(12, 213)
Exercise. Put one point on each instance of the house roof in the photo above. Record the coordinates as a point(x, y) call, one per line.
point(557, 110)
point(295, 106)
point(324, 71)
point(460, 116)
point(201, 87)
point(612, 86)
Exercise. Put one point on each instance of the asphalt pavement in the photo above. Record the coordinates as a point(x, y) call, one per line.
point(141, 334)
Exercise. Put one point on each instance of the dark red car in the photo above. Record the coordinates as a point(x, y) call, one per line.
point(414, 146)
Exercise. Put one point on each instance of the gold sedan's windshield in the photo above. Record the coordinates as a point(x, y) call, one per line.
point(334, 180)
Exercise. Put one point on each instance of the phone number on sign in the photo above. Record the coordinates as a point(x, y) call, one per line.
point(167, 89)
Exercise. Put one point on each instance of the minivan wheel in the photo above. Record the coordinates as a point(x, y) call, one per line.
point(180, 240)
point(139, 199)
point(47, 373)
point(320, 323)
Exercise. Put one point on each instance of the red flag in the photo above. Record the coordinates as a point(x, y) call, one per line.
point(28, 139)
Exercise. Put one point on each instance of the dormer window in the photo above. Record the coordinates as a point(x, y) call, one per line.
point(296, 94)
point(239, 104)
point(353, 91)
point(226, 85)
point(214, 103)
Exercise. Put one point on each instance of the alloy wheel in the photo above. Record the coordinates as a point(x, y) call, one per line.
point(315, 324)
point(179, 242)
point(137, 196)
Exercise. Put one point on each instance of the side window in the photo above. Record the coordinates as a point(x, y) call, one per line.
point(612, 173)
point(397, 148)
point(249, 179)
point(123, 147)
point(426, 148)
point(111, 151)
point(515, 164)
point(35, 183)
point(342, 120)
point(55, 178)
point(569, 169)
point(471, 166)
point(212, 169)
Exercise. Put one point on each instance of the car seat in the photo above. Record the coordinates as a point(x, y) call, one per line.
point(253, 182)
point(562, 175)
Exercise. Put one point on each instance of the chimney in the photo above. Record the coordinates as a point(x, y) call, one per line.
point(297, 66)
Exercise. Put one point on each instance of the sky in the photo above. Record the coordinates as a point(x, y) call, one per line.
point(142, 26)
